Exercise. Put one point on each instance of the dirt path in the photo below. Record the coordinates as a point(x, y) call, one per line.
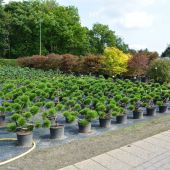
point(76, 151)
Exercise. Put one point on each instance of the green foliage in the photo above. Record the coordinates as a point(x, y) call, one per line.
point(11, 127)
point(49, 105)
point(34, 110)
point(83, 122)
point(160, 71)
point(115, 61)
point(166, 53)
point(46, 123)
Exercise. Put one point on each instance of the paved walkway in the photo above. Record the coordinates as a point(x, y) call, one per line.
point(152, 153)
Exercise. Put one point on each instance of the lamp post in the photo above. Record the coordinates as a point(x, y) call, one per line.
point(40, 37)
point(156, 74)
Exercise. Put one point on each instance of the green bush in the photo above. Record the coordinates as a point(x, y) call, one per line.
point(159, 70)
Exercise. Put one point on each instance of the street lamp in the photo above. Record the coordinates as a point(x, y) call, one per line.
point(156, 68)
point(40, 36)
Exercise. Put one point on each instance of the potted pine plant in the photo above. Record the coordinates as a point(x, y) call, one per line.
point(85, 123)
point(23, 124)
point(162, 106)
point(104, 115)
point(120, 113)
point(50, 120)
point(149, 104)
point(163, 101)
point(136, 108)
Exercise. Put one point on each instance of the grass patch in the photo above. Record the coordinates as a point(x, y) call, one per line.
point(8, 62)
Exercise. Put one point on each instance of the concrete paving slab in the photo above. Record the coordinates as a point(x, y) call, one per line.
point(111, 163)
point(90, 165)
point(139, 152)
point(126, 157)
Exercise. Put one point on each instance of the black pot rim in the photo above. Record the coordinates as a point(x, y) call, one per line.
point(60, 126)
point(22, 133)
point(105, 118)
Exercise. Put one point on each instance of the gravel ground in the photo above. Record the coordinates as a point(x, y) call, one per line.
point(78, 150)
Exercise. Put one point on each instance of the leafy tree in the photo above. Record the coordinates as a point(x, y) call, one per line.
point(159, 70)
point(166, 53)
point(61, 28)
point(4, 45)
point(101, 37)
point(115, 61)
point(138, 65)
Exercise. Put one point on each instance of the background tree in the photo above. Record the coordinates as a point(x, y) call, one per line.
point(4, 45)
point(101, 37)
point(166, 53)
point(61, 28)
point(159, 70)
point(115, 62)
point(138, 65)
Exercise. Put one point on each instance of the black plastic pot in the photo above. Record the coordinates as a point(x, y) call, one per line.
point(162, 109)
point(121, 118)
point(24, 139)
point(105, 123)
point(57, 132)
point(2, 120)
point(151, 111)
point(84, 129)
point(137, 114)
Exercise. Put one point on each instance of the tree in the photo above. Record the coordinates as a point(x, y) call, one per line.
point(101, 37)
point(166, 53)
point(4, 45)
point(138, 65)
point(159, 70)
point(115, 61)
point(61, 29)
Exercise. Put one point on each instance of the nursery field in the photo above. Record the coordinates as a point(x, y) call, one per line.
point(56, 109)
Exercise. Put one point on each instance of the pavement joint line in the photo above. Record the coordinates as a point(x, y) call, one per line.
point(167, 148)
point(99, 163)
point(145, 148)
point(153, 159)
point(118, 159)
point(165, 140)
point(132, 154)
point(76, 166)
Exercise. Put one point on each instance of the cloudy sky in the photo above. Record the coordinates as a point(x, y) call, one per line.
point(141, 23)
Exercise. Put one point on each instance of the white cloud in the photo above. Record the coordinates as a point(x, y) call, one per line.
point(145, 2)
point(137, 20)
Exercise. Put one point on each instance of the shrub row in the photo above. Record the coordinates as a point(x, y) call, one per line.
point(66, 63)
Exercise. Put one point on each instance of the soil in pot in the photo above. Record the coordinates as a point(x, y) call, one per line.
point(105, 123)
point(24, 139)
point(2, 120)
point(137, 114)
point(163, 109)
point(84, 129)
point(121, 118)
point(57, 132)
point(151, 111)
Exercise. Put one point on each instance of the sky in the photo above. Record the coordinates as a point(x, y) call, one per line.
point(141, 23)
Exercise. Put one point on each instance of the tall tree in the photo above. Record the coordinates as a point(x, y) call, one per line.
point(61, 28)
point(166, 53)
point(101, 36)
point(4, 45)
